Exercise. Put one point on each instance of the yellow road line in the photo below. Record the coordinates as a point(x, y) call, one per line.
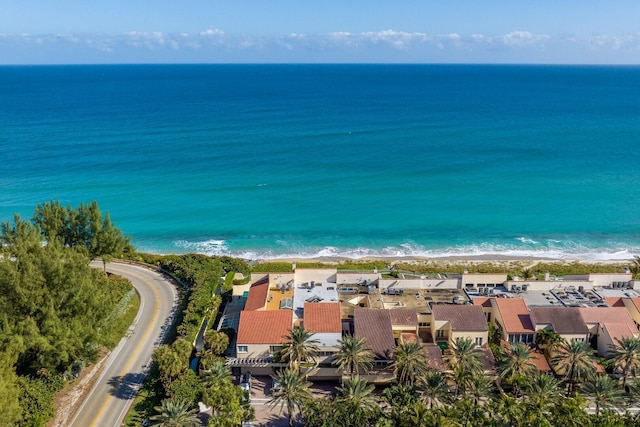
point(136, 351)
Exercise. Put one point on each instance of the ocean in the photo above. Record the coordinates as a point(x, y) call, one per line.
point(302, 161)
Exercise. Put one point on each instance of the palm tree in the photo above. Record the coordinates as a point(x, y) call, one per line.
point(292, 393)
point(516, 364)
point(433, 389)
point(479, 387)
point(542, 392)
point(356, 401)
point(570, 412)
point(463, 359)
point(216, 372)
point(626, 356)
point(604, 392)
point(299, 347)
point(353, 355)
point(575, 362)
point(169, 363)
point(508, 411)
point(175, 413)
point(410, 363)
point(548, 340)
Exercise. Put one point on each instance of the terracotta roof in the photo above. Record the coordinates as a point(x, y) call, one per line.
point(563, 320)
point(322, 317)
point(434, 357)
point(540, 361)
point(409, 337)
point(264, 327)
point(461, 317)
point(515, 315)
point(374, 325)
point(404, 316)
point(619, 331)
point(606, 315)
point(258, 292)
point(614, 301)
point(482, 301)
point(487, 359)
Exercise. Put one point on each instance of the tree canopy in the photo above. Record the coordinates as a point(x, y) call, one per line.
point(83, 227)
point(54, 308)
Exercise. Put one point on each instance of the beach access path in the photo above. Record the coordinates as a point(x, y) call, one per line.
point(126, 367)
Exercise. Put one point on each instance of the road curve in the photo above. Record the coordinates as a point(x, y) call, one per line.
point(112, 395)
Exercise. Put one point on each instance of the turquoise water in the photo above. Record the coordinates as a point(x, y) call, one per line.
point(354, 160)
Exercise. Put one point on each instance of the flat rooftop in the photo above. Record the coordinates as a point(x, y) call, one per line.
point(616, 292)
point(313, 292)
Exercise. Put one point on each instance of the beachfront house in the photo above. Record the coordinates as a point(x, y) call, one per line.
point(511, 317)
point(374, 326)
point(564, 321)
point(452, 321)
point(607, 325)
point(260, 335)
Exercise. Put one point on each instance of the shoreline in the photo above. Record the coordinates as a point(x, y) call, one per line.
point(488, 258)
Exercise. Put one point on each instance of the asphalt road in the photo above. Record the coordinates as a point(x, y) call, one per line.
point(109, 400)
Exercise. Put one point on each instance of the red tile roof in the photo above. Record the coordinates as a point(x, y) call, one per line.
point(322, 317)
point(515, 315)
point(264, 327)
point(482, 301)
point(409, 337)
point(404, 316)
point(540, 361)
point(606, 315)
point(614, 301)
point(619, 331)
point(434, 357)
point(374, 325)
point(615, 320)
point(461, 317)
point(258, 292)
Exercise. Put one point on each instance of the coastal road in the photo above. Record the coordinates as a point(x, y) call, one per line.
point(109, 400)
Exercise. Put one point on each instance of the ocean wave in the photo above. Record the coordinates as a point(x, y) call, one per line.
point(527, 240)
point(542, 249)
point(208, 247)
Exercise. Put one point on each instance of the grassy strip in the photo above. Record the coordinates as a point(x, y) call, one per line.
point(149, 396)
point(119, 327)
point(512, 267)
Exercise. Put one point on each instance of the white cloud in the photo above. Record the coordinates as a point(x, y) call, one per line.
point(383, 45)
point(212, 33)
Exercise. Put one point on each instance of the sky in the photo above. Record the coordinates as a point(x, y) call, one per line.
point(328, 31)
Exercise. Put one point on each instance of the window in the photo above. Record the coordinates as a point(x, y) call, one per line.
point(243, 349)
point(424, 324)
point(478, 341)
point(275, 348)
point(521, 338)
point(440, 333)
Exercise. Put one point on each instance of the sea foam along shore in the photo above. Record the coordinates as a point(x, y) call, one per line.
point(620, 253)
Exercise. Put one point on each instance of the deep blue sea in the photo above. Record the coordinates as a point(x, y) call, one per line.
point(339, 160)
